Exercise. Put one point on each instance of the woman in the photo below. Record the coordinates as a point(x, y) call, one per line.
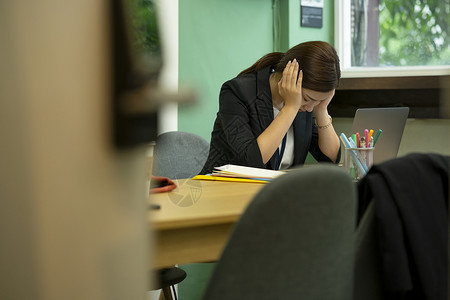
point(275, 112)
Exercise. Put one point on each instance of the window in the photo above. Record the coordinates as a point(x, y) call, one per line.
point(393, 35)
point(145, 40)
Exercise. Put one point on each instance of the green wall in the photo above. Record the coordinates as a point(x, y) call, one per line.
point(218, 39)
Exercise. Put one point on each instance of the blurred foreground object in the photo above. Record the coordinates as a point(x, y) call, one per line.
point(72, 209)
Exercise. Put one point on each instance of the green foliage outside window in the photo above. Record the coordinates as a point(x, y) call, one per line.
point(414, 32)
point(144, 27)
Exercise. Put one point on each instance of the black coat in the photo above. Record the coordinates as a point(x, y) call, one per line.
point(410, 197)
point(245, 111)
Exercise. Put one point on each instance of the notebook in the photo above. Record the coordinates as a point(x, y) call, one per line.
point(391, 120)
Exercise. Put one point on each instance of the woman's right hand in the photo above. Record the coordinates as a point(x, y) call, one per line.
point(289, 88)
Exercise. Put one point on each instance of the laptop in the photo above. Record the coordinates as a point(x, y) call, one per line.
point(391, 120)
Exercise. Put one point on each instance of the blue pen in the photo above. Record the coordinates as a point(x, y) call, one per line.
point(352, 152)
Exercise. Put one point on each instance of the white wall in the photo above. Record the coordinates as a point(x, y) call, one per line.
point(168, 24)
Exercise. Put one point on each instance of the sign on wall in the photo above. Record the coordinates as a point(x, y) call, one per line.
point(311, 12)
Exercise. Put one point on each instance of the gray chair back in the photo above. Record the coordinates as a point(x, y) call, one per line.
point(179, 155)
point(368, 284)
point(294, 241)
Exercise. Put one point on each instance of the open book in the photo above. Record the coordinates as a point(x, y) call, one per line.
point(235, 171)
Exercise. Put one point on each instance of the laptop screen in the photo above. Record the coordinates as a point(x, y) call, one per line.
point(391, 120)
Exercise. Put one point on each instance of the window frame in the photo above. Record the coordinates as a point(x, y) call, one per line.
point(342, 41)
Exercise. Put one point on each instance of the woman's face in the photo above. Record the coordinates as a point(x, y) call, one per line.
point(313, 98)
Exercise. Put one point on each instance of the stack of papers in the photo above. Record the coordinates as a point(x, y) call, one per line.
point(245, 172)
point(241, 174)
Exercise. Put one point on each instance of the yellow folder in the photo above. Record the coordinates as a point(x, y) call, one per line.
point(234, 179)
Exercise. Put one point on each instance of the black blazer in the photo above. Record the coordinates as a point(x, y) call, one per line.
point(245, 111)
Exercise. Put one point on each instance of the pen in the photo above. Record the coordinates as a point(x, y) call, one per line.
point(366, 134)
point(375, 139)
point(364, 144)
point(370, 133)
point(357, 140)
point(354, 138)
point(352, 169)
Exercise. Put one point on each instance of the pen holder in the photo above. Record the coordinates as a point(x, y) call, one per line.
point(357, 161)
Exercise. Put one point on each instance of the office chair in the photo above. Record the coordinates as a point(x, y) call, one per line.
point(402, 248)
point(294, 241)
point(177, 155)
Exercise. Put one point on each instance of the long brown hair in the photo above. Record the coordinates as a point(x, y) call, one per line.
point(318, 60)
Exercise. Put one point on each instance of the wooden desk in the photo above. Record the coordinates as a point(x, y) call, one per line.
point(195, 219)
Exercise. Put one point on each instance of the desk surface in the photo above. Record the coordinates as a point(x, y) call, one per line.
point(196, 218)
point(201, 202)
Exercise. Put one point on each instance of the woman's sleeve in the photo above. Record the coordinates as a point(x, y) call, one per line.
point(236, 111)
point(314, 148)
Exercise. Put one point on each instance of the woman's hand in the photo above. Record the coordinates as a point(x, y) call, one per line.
point(289, 88)
point(322, 107)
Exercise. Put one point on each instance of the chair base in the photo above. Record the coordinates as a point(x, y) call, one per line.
point(168, 277)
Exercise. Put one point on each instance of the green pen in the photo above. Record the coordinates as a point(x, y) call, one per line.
point(375, 139)
point(354, 138)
